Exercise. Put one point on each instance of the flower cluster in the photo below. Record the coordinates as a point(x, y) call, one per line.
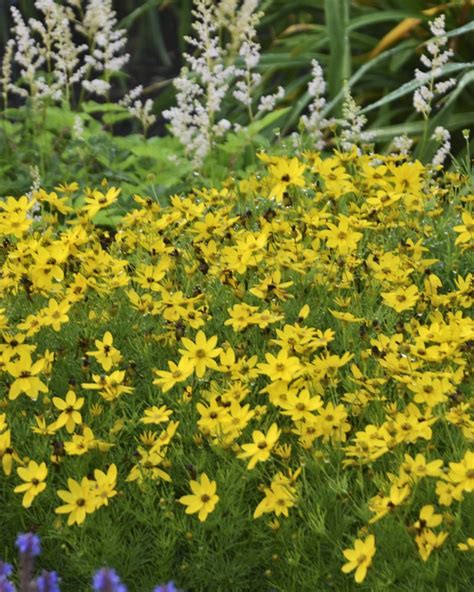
point(301, 327)
point(315, 123)
point(29, 547)
point(211, 74)
point(437, 58)
point(68, 45)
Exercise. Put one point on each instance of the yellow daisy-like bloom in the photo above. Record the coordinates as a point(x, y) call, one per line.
point(33, 476)
point(203, 499)
point(281, 367)
point(284, 173)
point(360, 557)
point(465, 230)
point(104, 485)
point(106, 354)
point(55, 314)
point(341, 237)
point(279, 498)
point(261, 447)
point(80, 500)
point(177, 373)
point(201, 352)
point(402, 298)
point(26, 380)
point(427, 541)
point(70, 414)
point(462, 473)
point(428, 518)
point(95, 200)
point(156, 415)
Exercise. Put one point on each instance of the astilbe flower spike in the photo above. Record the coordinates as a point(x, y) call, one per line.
point(438, 57)
point(315, 123)
point(206, 79)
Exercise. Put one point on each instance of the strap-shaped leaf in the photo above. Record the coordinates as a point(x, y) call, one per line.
point(413, 128)
point(337, 20)
point(411, 86)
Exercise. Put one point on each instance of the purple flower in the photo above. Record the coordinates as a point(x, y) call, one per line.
point(28, 544)
point(6, 585)
point(107, 580)
point(48, 582)
point(5, 570)
point(169, 587)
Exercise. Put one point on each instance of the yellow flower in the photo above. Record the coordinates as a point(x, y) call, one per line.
point(109, 385)
point(69, 407)
point(104, 485)
point(427, 541)
point(26, 380)
point(203, 499)
point(47, 266)
point(279, 497)
point(177, 373)
point(241, 316)
point(201, 353)
point(281, 367)
point(428, 518)
point(416, 468)
point(82, 443)
point(33, 476)
point(382, 505)
point(465, 230)
point(149, 462)
point(80, 500)
point(95, 200)
point(261, 447)
point(156, 415)
point(402, 298)
point(467, 546)
point(7, 453)
point(346, 316)
point(106, 354)
point(283, 173)
point(462, 473)
point(300, 405)
point(341, 237)
point(407, 177)
point(360, 557)
point(43, 428)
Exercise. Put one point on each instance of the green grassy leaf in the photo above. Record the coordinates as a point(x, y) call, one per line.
point(384, 16)
point(461, 30)
point(457, 121)
point(267, 120)
point(128, 21)
point(411, 86)
point(337, 19)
